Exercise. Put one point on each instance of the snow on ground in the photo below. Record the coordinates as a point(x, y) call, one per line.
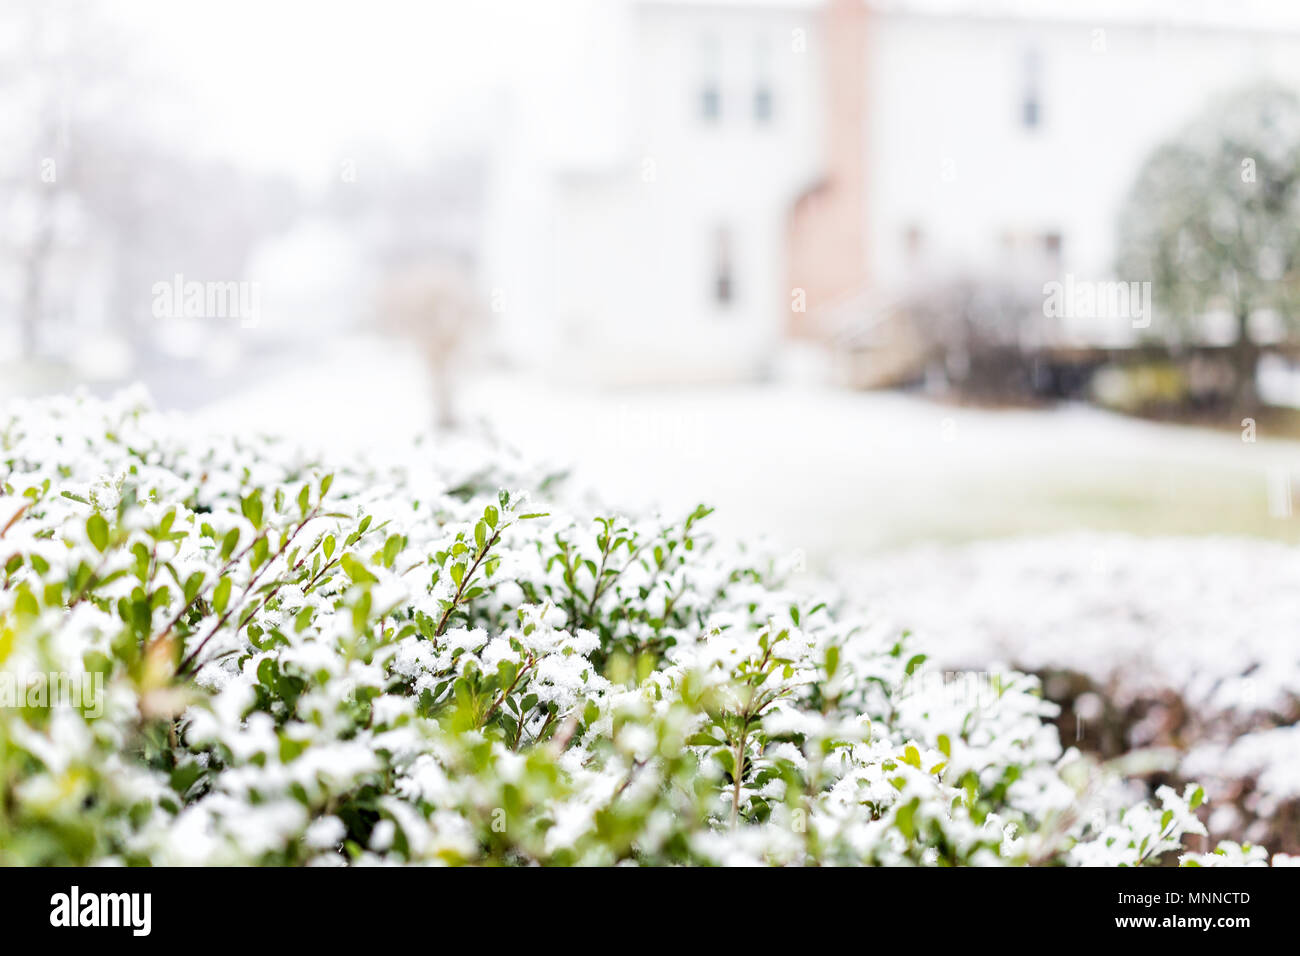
point(1211, 623)
point(827, 472)
point(1216, 619)
point(1265, 757)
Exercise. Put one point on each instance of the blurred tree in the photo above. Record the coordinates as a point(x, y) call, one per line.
point(980, 334)
point(420, 224)
point(99, 196)
point(1213, 222)
point(434, 306)
point(38, 83)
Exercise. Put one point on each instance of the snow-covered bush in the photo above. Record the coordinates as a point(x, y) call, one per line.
point(286, 660)
point(1179, 647)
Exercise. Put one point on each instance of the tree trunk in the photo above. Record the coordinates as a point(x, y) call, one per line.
point(444, 394)
point(1245, 357)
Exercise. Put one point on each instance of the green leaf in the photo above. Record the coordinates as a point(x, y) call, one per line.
point(261, 551)
point(228, 543)
point(221, 596)
point(904, 817)
point(97, 531)
point(356, 570)
point(192, 585)
point(392, 547)
point(251, 506)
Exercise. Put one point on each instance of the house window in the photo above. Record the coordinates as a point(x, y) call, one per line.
point(1031, 112)
point(763, 86)
point(710, 83)
point(710, 103)
point(723, 282)
point(1031, 109)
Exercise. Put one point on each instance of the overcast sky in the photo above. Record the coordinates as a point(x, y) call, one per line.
point(300, 85)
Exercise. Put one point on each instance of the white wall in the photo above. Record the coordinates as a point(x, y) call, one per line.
point(602, 240)
point(949, 91)
point(624, 251)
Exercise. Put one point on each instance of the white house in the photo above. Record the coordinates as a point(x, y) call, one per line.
point(727, 174)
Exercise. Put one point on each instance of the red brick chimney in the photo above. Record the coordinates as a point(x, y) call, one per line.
point(826, 233)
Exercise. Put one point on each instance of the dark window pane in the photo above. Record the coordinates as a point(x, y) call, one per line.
point(710, 103)
point(1030, 117)
point(723, 287)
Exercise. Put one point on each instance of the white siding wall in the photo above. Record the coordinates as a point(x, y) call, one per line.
point(625, 252)
point(949, 91)
point(603, 226)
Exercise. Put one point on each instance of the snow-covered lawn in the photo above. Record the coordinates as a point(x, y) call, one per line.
point(825, 471)
point(1216, 618)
